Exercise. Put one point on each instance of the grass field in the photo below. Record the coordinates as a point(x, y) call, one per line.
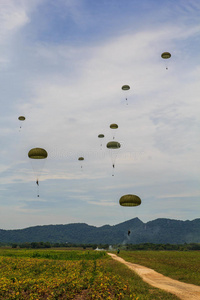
point(179, 265)
point(65, 274)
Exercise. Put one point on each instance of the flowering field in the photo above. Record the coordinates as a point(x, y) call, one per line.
point(39, 278)
point(70, 274)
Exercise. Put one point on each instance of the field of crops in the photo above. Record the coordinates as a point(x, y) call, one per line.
point(180, 265)
point(34, 277)
point(65, 274)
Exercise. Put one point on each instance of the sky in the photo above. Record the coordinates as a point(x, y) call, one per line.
point(62, 66)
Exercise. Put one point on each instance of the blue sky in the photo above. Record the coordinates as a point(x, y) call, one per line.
point(62, 66)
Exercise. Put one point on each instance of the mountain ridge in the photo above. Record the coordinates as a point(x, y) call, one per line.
point(161, 230)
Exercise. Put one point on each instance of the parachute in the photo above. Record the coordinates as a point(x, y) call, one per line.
point(126, 88)
point(21, 118)
point(37, 153)
point(113, 126)
point(129, 200)
point(113, 146)
point(37, 156)
point(166, 55)
point(81, 158)
point(101, 136)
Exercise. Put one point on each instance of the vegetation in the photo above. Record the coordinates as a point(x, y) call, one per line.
point(180, 265)
point(150, 246)
point(28, 278)
point(145, 246)
point(26, 274)
point(54, 254)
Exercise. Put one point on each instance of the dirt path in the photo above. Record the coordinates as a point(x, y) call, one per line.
point(184, 291)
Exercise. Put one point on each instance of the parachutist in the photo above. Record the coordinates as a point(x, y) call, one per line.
point(80, 159)
point(113, 146)
point(126, 88)
point(101, 136)
point(37, 154)
point(166, 55)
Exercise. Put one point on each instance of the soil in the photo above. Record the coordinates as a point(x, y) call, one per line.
point(184, 291)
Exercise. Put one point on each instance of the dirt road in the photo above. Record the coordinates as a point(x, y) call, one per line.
point(184, 291)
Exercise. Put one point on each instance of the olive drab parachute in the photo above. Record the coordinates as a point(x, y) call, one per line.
point(113, 146)
point(21, 118)
point(113, 126)
point(166, 55)
point(101, 136)
point(37, 156)
point(129, 200)
point(126, 88)
point(37, 153)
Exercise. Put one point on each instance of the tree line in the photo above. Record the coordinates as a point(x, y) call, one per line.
point(144, 246)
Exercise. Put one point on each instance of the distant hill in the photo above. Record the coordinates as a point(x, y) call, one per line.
point(159, 231)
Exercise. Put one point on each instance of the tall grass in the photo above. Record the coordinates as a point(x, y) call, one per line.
point(54, 254)
point(179, 265)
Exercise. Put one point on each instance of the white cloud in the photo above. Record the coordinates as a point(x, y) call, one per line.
point(70, 93)
point(13, 17)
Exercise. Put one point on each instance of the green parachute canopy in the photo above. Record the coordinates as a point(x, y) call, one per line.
point(129, 200)
point(21, 118)
point(166, 55)
point(113, 126)
point(81, 158)
point(113, 145)
point(37, 153)
point(125, 87)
